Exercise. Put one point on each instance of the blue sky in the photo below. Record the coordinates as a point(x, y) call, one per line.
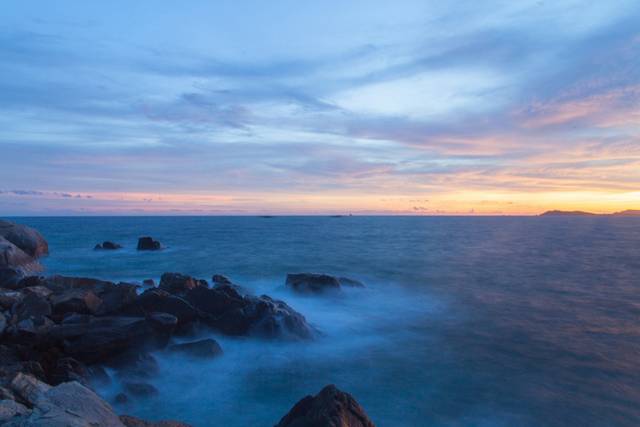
point(319, 107)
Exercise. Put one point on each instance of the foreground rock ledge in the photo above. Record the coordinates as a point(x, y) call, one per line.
point(329, 408)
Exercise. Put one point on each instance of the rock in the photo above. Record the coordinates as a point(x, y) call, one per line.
point(219, 279)
point(69, 369)
point(111, 297)
point(28, 388)
point(3, 323)
point(12, 256)
point(312, 282)
point(207, 348)
point(10, 409)
point(121, 399)
point(130, 421)
point(329, 408)
point(163, 323)
point(32, 305)
point(9, 277)
point(224, 309)
point(346, 281)
point(70, 405)
point(318, 283)
point(97, 375)
point(148, 282)
point(28, 329)
point(25, 238)
point(176, 282)
point(9, 298)
point(140, 389)
point(103, 338)
point(107, 245)
point(148, 244)
point(81, 301)
point(157, 300)
point(41, 291)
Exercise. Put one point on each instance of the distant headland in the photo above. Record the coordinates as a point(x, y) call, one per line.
point(628, 212)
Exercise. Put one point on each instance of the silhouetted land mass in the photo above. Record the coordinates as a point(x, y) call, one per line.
point(628, 212)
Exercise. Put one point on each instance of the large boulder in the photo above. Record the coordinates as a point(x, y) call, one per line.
point(158, 300)
point(148, 244)
point(226, 310)
point(9, 277)
point(102, 338)
point(329, 408)
point(176, 282)
point(314, 283)
point(10, 409)
point(87, 295)
point(26, 238)
point(67, 405)
point(12, 256)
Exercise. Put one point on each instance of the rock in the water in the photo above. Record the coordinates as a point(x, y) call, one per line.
point(346, 281)
point(148, 244)
point(69, 369)
point(163, 323)
point(157, 300)
point(130, 421)
point(135, 365)
point(26, 238)
point(176, 282)
point(103, 338)
point(107, 245)
point(225, 309)
point(314, 283)
point(329, 408)
point(28, 388)
point(140, 389)
point(207, 348)
point(75, 294)
point(149, 282)
point(121, 399)
point(219, 279)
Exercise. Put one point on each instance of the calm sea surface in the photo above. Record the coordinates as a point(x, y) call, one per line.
point(465, 321)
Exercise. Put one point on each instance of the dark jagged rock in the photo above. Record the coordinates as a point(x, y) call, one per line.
point(148, 244)
point(8, 298)
point(69, 369)
point(10, 277)
point(207, 348)
point(140, 389)
point(32, 305)
point(329, 408)
point(176, 282)
point(103, 338)
point(25, 238)
point(219, 279)
point(108, 246)
point(157, 300)
point(86, 295)
point(314, 283)
point(163, 323)
point(225, 309)
point(130, 421)
point(149, 282)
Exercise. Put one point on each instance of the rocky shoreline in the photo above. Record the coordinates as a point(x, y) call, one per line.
point(59, 333)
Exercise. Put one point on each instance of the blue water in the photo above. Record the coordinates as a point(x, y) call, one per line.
point(470, 321)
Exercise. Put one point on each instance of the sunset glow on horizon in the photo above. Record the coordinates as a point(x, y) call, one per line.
point(326, 108)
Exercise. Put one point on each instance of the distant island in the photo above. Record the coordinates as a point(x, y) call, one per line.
point(628, 212)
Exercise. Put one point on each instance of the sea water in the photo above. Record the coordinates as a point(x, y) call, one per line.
point(465, 321)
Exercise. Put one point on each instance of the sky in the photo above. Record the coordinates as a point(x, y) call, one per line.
point(291, 107)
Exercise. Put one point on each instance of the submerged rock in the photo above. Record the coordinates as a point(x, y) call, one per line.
point(314, 283)
point(140, 389)
point(329, 408)
point(107, 245)
point(148, 244)
point(207, 348)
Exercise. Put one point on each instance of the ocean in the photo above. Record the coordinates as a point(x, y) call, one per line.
point(465, 321)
